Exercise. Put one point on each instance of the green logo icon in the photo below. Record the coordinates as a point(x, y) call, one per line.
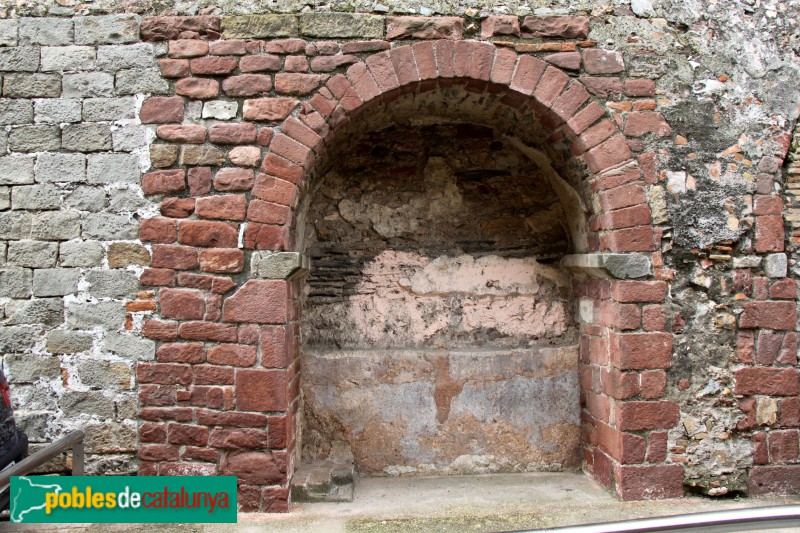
point(123, 499)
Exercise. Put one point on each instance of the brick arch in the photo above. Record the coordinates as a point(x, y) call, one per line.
point(562, 104)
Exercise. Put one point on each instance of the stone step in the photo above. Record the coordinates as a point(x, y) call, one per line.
point(323, 481)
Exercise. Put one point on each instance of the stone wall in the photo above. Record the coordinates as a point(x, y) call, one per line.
point(688, 170)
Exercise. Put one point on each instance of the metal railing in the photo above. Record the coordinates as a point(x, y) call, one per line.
point(72, 440)
point(753, 519)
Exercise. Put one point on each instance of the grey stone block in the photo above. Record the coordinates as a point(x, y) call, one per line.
point(32, 254)
point(102, 437)
point(5, 199)
point(256, 26)
point(131, 137)
point(16, 170)
point(15, 111)
point(109, 109)
point(32, 85)
point(28, 368)
point(57, 110)
point(141, 81)
point(776, 265)
point(112, 283)
point(105, 226)
point(46, 311)
point(34, 138)
point(88, 84)
point(56, 226)
point(220, 109)
point(130, 346)
point(107, 29)
point(341, 25)
point(117, 57)
point(67, 342)
point(618, 266)
point(49, 31)
point(19, 59)
point(127, 405)
point(747, 261)
point(91, 403)
point(86, 137)
point(3, 142)
point(275, 265)
point(67, 58)
point(81, 254)
point(8, 32)
point(104, 374)
point(15, 225)
point(113, 168)
point(86, 198)
point(19, 338)
point(51, 168)
point(108, 315)
point(36, 197)
point(127, 201)
point(34, 424)
point(16, 282)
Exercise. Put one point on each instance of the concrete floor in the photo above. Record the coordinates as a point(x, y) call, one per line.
point(500, 502)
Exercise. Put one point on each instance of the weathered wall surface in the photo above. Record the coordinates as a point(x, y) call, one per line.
point(74, 149)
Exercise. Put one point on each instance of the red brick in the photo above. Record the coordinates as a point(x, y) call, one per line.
point(187, 434)
point(499, 25)
point(251, 467)
point(603, 87)
point(357, 47)
point(286, 46)
point(265, 237)
point(235, 439)
point(268, 109)
point(150, 432)
point(158, 452)
point(770, 315)
point(260, 63)
point(258, 302)
point(561, 26)
point(290, 149)
point(565, 60)
point(160, 414)
point(156, 396)
point(207, 396)
point(222, 207)
point(261, 390)
point(639, 239)
point(769, 233)
point(267, 212)
point(550, 86)
point(788, 353)
point(654, 318)
point(625, 218)
point(175, 257)
point(264, 138)
point(159, 230)
point(209, 455)
point(639, 291)
point(174, 68)
point(297, 84)
point(638, 416)
point(275, 190)
point(444, 58)
point(161, 110)
point(608, 154)
point(188, 48)
point(405, 67)
point(653, 384)
point(164, 181)
point(380, 65)
point(187, 469)
point(648, 162)
point(233, 179)
point(363, 82)
point(638, 351)
point(585, 118)
point(181, 352)
point(213, 375)
point(597, 61)
point(657, 447)
point(640, 87)
point(243, 133)
point(277, 166)
point(620, 385)
point(301, 133)
point(199, 179)
point(233, 355)
point(767, 381)
point(247, 85)
point(790, 412)
point(785, 289)
point(768, 346)
point(641, 122)
point(624, 447)
point(208, 234)
point(570, 101)
point(228, 47)
point(207, 331)
point(774, 480)
point(648, 482)
point(784, 446)
point(222, 260)
point(217, 418)
point(177, 207)
point(745, 343)
point(622, 196)
point(278, 430)
point(164, 374)
point(331, 63)
point(213, 66)
point(595, 135)
point(602, 469)
point(197, 88)
point(276, 345)
point(181, 304)
point(412, 27)
point(163, 330)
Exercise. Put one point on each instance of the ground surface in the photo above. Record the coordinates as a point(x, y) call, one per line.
point(460, 504)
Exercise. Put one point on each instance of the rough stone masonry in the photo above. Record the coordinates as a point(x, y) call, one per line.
point(165, 168)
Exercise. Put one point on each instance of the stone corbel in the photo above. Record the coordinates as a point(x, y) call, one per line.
point(610, 265)
point(278, 265)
